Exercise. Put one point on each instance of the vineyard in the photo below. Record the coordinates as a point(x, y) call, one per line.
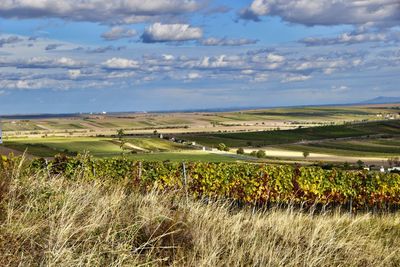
point(256, 184)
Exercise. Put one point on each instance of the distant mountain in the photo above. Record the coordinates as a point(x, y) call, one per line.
point(382, 100)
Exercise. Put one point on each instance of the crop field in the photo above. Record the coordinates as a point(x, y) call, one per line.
point(363, 131)
point(156, 144)
point(364, 147)
point(151, 149)
point(48, 147)
point(266, 138)
point(266, 117)
point(188, 156)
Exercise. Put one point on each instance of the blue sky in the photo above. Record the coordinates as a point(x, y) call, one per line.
point(135, 55)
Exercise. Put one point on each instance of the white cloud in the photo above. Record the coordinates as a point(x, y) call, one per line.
point(354, 38)
point(74, 74)
point(121, 11)
point(120, 64)
point(340, 89)
point(46, 63)
point(168, 57)
point(327, 12)
point(194, 75)
point(158, 32)
point(116, 33)
point(275, 58)
point(296, 78)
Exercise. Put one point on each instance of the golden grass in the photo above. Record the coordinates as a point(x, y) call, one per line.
point(53, 221)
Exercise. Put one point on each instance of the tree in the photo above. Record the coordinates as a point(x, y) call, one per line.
point(306, 154)
point(260, 154)
point(121, 134)
point(360, 164)
point(155, 132)
point(222, 147)
point(240, 151)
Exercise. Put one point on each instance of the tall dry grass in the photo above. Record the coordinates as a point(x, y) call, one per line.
point(53, 221)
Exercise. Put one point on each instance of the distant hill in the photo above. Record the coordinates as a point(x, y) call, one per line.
point(382, 100)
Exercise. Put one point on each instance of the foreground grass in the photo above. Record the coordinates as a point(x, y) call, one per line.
point(53, 221)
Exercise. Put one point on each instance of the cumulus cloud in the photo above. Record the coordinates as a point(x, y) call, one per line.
point(158, 32)
point(273, 58)
point(354, 38)
point(227, 42)
point(296, 78)
point(117, 33)
point(120, 64)
point(10, 40)
point(46, 63)
point(121, 11)
point(327, 12)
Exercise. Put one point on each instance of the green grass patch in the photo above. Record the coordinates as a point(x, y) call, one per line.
point(183, 156)
point(48, 147)
point(156, 144)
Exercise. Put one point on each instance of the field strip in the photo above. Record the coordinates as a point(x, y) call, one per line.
point(135, 147)
point(273, 152)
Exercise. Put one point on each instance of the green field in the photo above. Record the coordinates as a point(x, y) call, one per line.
point(157, 149)
point(48, 147)
point(156, 144)
point(186, 156)
point(351, 131)
point(365, 147)
point(266, 138)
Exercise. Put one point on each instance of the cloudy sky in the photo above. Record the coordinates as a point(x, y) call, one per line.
point(135, 55)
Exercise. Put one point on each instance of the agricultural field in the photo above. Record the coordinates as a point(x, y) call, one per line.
point(357, 147)
point(265, 138)
point(144, 123)
point(151, 149)
point(325, 132)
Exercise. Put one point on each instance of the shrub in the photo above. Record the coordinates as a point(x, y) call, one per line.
point(261, 154)
point(240, 151)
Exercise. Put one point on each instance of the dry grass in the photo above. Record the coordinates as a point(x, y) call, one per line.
point(52, 221)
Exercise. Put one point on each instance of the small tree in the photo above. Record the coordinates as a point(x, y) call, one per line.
point(360, 164)
point(240, 151)
point(222, 147)
point(306, 154)
point(260, 154)
point(253, 153)
point(155, 132)
point(121, 134)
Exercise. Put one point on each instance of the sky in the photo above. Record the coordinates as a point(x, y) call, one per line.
point(70, 56)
